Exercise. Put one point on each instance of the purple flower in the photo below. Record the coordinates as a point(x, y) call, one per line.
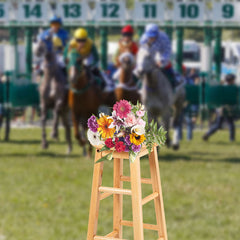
point(126, 149)
point(127, 140)
point(136, 148)
point(92, 124)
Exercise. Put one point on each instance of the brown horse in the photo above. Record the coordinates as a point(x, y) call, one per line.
point(53, 94)
point(126, 88)
point(85, 97)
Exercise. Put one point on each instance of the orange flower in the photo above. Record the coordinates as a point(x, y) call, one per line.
point(104, 129)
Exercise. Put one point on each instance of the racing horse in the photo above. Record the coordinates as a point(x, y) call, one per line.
point(53, 93)
point(126, 86)
point(158, 95)
point(85, 96)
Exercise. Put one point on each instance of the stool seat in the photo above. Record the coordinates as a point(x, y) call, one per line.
point(100, 192)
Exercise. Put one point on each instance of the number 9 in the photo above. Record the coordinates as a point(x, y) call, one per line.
point(228, 10)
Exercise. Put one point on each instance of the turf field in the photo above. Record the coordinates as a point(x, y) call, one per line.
point(45, 195)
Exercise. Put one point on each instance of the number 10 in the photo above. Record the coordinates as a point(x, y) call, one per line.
point(189, 11)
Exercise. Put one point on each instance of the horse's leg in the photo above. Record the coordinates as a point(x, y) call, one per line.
point(83, 139)
point(177, 116)
point(54, 134)
point(166, 123)
point(176, 132)
point(67, 127)
point(43, 121)
point(75, 120)
point(176, 128)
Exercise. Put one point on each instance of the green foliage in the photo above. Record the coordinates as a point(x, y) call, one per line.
point(136, 107)
point(154, 135)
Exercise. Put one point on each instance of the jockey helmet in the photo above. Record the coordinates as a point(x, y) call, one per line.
point(56, 19)
point(151, 30)
point(128, 30)
point(81, 34)
point(57, 42)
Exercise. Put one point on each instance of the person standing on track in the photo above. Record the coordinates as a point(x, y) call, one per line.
point(224, 113)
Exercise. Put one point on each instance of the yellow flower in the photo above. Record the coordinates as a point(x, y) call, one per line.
point(137, 139)
point(104, 122)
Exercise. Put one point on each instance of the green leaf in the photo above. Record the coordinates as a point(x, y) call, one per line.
point(152, 123)
point(108, 157)
point(155, 128)
point(104, 148)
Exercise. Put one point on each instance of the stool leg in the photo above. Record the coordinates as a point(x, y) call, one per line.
point(137, 199)
point(117, 198)
point(158, 202)
point(95, 198)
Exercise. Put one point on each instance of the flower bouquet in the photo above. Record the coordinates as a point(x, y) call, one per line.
point(126, 130)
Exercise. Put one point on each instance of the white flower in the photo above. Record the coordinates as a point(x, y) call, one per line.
point(117, 121)
point(138, 129)
point(94, 138)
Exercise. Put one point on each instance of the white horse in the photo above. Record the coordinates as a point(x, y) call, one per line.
point(158, 96)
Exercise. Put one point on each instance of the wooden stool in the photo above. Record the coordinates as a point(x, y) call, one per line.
point(100, 192)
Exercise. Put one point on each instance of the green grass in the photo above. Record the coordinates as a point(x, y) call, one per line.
point(45, 195)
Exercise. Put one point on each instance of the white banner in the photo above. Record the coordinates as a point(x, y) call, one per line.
point(158, 11)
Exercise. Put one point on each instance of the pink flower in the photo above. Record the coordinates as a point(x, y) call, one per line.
point(140, 113)
point(122, 108)
point(141, 122)
point(131, 120)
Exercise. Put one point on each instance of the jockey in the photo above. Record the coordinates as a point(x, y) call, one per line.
point(160, 49)
point(126, 44)
point(56, 38)
point(88, 51)
point(55, 30)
